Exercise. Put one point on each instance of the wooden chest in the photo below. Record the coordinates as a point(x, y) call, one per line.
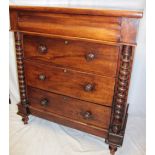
point(74, 66)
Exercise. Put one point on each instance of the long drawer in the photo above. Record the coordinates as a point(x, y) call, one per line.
point(89, 113)
point(75, 25)
point(82, 55)
point(89, 87)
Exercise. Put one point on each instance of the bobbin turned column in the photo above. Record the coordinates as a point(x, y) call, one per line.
point(120, 107)
point(23, 105)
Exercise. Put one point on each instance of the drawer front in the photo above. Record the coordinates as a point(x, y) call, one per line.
point(75, 109)
point(81, 55)
point(83, 26)
point(80, 85)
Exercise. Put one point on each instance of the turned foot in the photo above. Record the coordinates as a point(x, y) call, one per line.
point(113, 149)
point(25, 119)
point(9, 100)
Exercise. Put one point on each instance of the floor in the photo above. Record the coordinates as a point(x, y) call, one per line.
point(42, 137)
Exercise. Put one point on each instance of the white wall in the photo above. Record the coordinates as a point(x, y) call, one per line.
point(137, 93)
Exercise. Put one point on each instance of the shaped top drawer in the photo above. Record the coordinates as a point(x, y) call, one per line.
point(103, 25)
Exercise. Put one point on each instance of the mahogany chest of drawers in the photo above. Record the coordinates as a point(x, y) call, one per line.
point(74, 66)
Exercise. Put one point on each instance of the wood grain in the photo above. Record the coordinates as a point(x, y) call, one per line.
point(96, 27)
point(70, 107)
point(100, 25)
point(70, 82)
point(69, 122)
point(129, 30)
point(79, 63)
point(74, 54)
point(82, 11)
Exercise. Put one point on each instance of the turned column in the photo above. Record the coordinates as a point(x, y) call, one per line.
point(119, 113)
point(22, 106)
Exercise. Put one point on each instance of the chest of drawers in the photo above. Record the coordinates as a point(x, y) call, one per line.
point(74, 66)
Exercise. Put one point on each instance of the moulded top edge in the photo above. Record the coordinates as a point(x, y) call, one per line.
point(86, 11)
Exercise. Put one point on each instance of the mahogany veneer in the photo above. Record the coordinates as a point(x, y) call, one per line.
point(104, 57)
point(69, 107)
point(70, 82)
point(74, 66)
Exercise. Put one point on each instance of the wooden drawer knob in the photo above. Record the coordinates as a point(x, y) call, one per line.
point(89, 87)
point(90, 56)
point(87, 115)
point(44, 102)
point(42, 77)
point(42, 48)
